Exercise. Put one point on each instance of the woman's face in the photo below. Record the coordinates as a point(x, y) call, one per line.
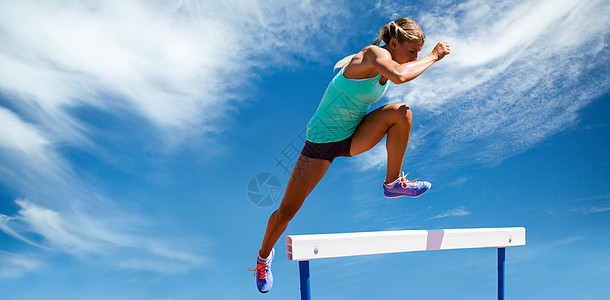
point(404, 52)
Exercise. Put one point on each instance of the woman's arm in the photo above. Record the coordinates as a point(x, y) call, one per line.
point(382, 61)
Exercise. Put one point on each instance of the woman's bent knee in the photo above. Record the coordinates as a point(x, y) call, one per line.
point(402, 112)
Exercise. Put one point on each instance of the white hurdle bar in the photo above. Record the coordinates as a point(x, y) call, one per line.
point(304, 248)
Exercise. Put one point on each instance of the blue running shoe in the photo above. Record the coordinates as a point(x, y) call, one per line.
point(404, 187)
point(262, 272)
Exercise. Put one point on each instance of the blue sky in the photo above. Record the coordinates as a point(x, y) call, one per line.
point(131, 131)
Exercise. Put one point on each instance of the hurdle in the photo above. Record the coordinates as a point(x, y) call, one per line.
point(303, 248)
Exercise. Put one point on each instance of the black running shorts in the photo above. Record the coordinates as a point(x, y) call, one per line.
point(327, 151)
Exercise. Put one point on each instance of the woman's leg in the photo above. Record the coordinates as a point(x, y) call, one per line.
point(305, 176)
point(393, 120)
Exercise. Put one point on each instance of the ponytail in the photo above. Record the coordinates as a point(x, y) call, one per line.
point(343, 62)
point(403, 29)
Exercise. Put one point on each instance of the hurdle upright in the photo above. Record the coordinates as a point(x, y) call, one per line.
point(303, 248)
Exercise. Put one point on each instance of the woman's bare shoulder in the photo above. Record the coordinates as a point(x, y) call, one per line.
point(370, 53)
point(376, 51)
point(361, 65)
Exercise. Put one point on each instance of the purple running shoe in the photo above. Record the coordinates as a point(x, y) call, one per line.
point(262, 272)
point(404, 187)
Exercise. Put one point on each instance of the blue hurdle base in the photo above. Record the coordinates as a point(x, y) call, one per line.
point(304, 274)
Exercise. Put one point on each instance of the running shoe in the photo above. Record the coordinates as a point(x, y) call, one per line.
point(404, 187)
point(262, 272)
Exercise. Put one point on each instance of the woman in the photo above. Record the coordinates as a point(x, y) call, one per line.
point(342, 127)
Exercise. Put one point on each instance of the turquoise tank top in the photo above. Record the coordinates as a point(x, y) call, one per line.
point(343, 106)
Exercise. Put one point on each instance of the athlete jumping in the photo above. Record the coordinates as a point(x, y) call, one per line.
point(342, 127)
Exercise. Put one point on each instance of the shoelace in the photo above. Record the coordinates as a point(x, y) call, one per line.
point(404, 183)
point(261, 268)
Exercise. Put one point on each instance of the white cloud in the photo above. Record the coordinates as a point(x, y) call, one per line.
point(518, 73)
point(26, 153)
point(179, 66)
point(595, 204)
point(56, 229)
point(175, 64)
point(505, 38)
point(21, 136)
point(593, 210)
point(458, 182)
point(600, 209)
point(589, 198)
point(456, 212)
point(115, 239)
point(16, 265)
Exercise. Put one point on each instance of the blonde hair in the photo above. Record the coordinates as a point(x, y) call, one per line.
point(403, 30)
